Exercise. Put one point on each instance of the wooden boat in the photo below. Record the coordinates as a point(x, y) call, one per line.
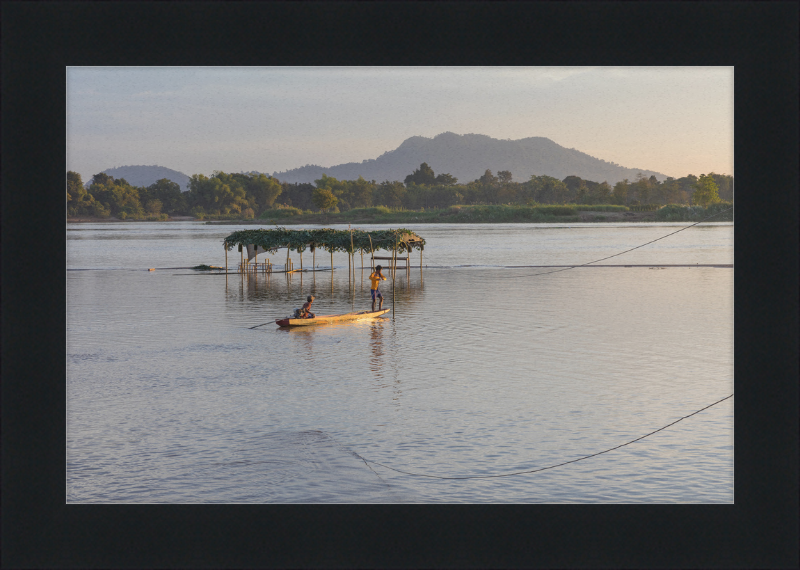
point(320, 319)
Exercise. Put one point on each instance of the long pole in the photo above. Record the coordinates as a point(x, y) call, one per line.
point(372, 254)
point(352, 254)
point(394, 263)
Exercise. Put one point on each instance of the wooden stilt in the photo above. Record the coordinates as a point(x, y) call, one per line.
point(394, 262)
point(351, 257)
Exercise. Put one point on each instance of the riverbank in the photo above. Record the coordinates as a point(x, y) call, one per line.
point(467, 214)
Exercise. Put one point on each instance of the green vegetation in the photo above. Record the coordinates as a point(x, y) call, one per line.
point(327, 239)
point(107, 197)
point(454, 214)
point(706, 191)
point(422, 196)
point(281, 211)
point(680, 213)
point(601, 208)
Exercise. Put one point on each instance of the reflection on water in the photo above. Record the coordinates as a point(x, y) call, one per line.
point(333, 292)
point(376, 348)
point(173, 397)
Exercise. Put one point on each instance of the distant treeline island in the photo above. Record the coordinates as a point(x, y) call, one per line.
point(422, 196)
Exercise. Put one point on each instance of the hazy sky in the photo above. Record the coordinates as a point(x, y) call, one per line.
point(674, 120)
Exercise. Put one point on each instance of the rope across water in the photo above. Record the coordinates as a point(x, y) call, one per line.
point(432, 258)
point(551, 466)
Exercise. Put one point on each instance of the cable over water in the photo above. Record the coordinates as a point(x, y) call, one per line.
point(368, 461)
point(614, 255)
point(620, 253)
point(551, 466)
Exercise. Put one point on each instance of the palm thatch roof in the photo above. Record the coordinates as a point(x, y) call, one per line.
point(327, 239)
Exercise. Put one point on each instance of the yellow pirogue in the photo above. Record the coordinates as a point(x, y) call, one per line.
point(321, 319)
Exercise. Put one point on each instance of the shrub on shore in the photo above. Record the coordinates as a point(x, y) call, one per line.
point(507, 213)
point(601, 208)
point(282, 212)
point(679, 213)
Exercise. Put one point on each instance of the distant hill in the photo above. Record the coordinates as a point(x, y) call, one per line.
point(467, 157)
point(147, 175)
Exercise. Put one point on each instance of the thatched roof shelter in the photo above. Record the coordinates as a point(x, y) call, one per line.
point(350, 241)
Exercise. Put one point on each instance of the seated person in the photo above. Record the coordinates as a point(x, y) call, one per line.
point(305, 312)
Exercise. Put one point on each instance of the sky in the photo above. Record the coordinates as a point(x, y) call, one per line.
point(673, 120)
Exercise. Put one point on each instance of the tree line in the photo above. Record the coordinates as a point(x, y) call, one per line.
point(249, 195)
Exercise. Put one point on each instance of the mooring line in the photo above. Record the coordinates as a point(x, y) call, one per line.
point(620, 253)
point(361, 458)
point(616, 254)
point(551, 466)
point(261, 325)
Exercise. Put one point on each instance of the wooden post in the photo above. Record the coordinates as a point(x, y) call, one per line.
point(241, 263)
point(351, 257)
point(301, 261)
point(314, 259)
point(226, 258)
point(331, 266)
point(394, 261)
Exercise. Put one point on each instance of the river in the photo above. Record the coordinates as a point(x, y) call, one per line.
point(485, 367)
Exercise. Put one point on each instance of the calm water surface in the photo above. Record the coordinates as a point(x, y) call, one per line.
point(482, 368)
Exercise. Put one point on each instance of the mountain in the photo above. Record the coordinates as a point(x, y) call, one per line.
point(468, 156)
point(147, 175)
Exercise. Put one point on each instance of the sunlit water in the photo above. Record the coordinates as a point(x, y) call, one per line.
point(481, 369)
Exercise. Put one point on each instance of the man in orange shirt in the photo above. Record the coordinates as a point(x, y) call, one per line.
point(375, 280)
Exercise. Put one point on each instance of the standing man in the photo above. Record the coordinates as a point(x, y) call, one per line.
point(375, 280)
